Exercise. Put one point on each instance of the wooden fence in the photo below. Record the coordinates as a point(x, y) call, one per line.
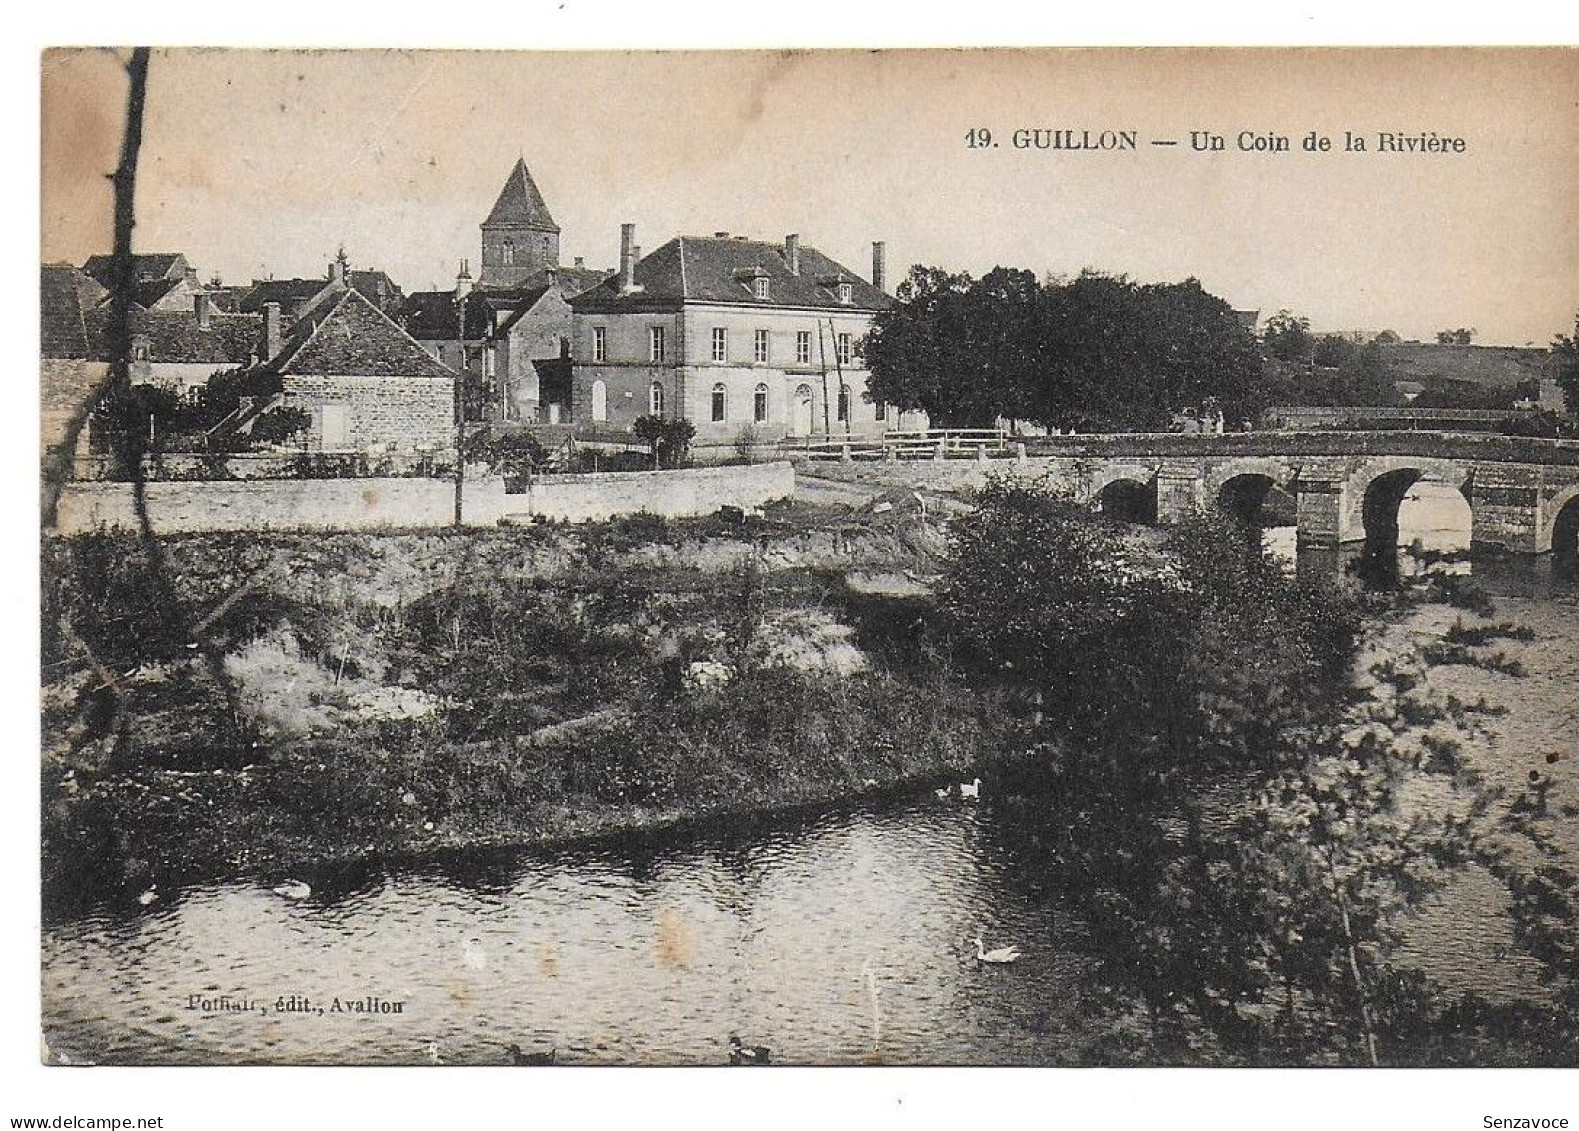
point(926, 443)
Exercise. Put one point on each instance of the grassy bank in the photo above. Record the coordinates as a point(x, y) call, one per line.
point(216, 705)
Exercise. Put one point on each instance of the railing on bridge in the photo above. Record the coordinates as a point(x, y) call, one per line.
point(1478, 446)
point(911, 444)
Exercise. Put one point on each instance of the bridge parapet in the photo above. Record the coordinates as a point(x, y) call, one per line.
point(1441, 445)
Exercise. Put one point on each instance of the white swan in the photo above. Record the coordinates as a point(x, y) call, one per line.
point(942, 793)
point(293, 889)
point(973, 789)
point(1002, 956)
point(148, 897)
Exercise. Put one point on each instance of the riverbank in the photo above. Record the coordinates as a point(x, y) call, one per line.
point(388, 696)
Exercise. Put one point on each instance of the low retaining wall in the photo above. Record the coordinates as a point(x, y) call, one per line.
point(193, 507)
point(674, 494)
point(189, 507)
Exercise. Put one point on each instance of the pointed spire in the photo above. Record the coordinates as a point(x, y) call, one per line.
point(520, 204)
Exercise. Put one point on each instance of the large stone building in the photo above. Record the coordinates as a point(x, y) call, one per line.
point(741, 337)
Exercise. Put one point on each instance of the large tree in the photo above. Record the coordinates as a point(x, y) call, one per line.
point(1565, 354)
point(1097, 351)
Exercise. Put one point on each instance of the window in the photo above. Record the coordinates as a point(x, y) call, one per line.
point(844, 403)
point(545, 249)
point(508, 252)
point(844, 349)
point(846, 293)
point(720, 344)
point(802, 347)
point(718, 404)
point(655, 399)
point(600, 343)
point(659, 350)
point(761, 286)
point(600, 401)
point(759, 346)
point(759, 404)
point(880, 410)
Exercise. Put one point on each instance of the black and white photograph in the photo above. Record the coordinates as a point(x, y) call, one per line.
point(1040, 558)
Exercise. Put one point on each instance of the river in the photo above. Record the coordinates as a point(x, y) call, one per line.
point(838, 938)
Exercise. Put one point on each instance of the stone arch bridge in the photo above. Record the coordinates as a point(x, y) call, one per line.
point(1522, 493)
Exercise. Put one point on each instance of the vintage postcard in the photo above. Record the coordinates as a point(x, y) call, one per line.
point(950, 557)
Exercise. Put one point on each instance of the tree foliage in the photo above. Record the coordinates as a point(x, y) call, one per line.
point(669, 437)
point(1097, 351)
point(1287, 337)
point(1565, 355)
point(1235, 825)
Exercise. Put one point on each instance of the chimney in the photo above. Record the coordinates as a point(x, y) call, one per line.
point(636, 254)
point(879, 274)
point(203, 306)
point(271, 330)
point(792, 252)
point(336, 271)
point(463, 281)
point(627, 257)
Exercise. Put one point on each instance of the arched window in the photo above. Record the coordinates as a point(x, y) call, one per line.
point(545, 249)
point(844, 403)
point(508, 252)
point(759, 404)
point(600, 401)
point(719, 405)
point(655, 399)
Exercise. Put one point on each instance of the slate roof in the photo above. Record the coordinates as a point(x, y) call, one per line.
point(378, 286)
point(155, 265)
point(520, 205)
point(65, 297)
point(350, 337)
point(720, 269)
point(570, 280)
point(431, 316)
point(150, 291)
point(175, 336)
point(289, 293)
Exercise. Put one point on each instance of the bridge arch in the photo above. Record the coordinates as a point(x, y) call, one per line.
point(1377, 487)
point(1128, 499)
point(1280, 472)
point(1103, 477)
point(1561, 531)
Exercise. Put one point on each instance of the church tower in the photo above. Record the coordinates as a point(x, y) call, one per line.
point(519, 238)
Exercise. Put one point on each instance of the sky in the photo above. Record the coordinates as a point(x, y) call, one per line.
point(257, 163)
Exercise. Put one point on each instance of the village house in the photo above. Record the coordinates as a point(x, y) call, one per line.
point(744, 338)
point(175, 347)
point(296, 295)
point(367, 384)
point(162, 281)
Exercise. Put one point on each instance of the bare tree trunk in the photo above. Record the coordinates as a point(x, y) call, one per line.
point(1354, 961)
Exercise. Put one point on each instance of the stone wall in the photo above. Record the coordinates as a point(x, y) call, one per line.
point(401, 414)
point(673, 494)
point(362, 504)
point(280, 504)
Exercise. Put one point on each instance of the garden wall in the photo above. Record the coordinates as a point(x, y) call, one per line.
point(190, 507)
